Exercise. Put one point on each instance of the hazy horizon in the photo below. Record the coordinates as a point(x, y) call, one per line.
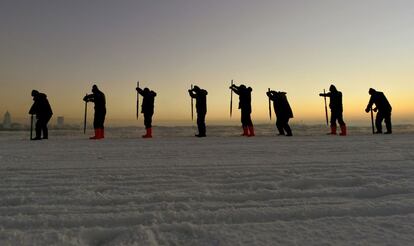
point(62, 48)
point(234, 121)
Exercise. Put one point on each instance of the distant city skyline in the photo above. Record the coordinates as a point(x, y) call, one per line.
point(62, 48)
point(7, 121)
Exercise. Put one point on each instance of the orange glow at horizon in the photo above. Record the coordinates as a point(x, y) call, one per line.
point(300, 47)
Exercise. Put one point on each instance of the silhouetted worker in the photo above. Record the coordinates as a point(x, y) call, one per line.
point(283, 111)
point(98, 98)
point(384, 110)
point(335, 104)
point(147, 109)
point(41, 108)
point(245, 100)
point(200, 96)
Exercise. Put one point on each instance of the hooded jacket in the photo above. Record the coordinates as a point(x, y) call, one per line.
point(335, 102)
point(201, 100)
point(280, 104)
point(98, 98)
point(148, 101)
point(378, 98)
point(245, 97)
point(41, 107)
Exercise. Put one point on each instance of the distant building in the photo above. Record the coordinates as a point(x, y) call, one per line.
point(60, 122)
point(7, 123)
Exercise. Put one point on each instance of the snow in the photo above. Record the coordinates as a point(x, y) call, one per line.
point(266, 190)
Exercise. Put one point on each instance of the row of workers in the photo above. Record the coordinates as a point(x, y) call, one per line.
point(41, 108)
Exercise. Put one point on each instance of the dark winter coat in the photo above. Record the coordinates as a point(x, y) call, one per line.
point(41, 107)
point(335, 102)
point(201, 100)
point(280, 104)
point(245, 98)
point(98, 98)
point(148, 101)
point(381, 103)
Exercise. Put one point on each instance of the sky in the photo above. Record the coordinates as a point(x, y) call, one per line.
point(63, 47)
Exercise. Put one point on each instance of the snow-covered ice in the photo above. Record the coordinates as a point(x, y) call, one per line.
point(266, 190)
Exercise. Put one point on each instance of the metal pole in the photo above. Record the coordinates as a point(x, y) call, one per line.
point(372, 121)
point(270, 108)
point(137, 106)
point(192, 104)
point(85, 116)
point(231, 100)
point(326, 108)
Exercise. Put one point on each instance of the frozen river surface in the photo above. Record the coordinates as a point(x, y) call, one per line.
point(307, 190)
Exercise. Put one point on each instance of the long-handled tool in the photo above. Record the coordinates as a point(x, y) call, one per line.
point(231, 100)
point(326, 108)
point(137, 106)
point(270, 108)
point(192, 104)
point(85, 116)
point(372, 121)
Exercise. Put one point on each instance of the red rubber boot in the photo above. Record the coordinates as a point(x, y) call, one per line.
point(97, 133)
point(333, 130)
point(251, 131)
point(149, 133)
point(101, 133)
point(245, 131)
point(343, 130)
